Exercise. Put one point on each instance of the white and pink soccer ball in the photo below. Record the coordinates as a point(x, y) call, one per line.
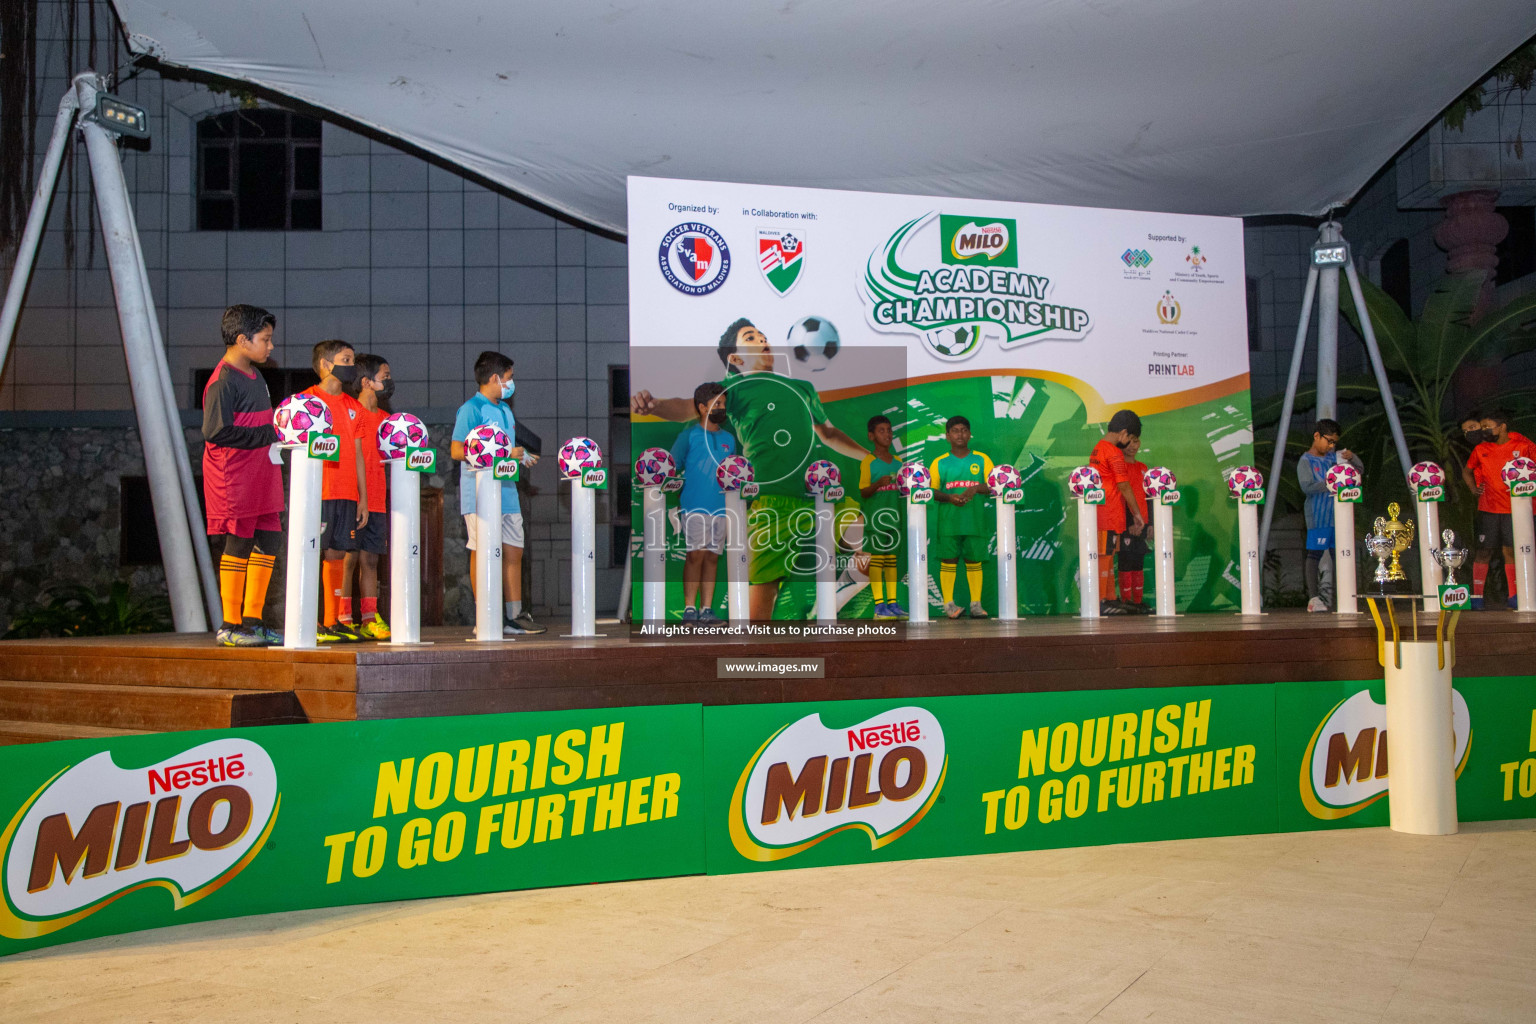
point(1158, 479)
point(1083, 480)
point(399, 432)
point(913, 476)
point(578, 455)
point(300, 417)
point(1519, 469)
point(733, 472)
point(484, 445)
point(1344, 475)
point(654, 467)
point(1244, 478)
point(820, 475)
point(1004, 478)
point(1425, 474)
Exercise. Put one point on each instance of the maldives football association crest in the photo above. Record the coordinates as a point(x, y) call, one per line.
point(780, 256)
point(694, 258)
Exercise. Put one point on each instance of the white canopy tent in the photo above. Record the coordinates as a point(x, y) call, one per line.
point(1196, 106)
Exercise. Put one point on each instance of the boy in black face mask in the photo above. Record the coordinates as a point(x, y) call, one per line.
point(343, 483)
point(373, 388)
point(698, 452)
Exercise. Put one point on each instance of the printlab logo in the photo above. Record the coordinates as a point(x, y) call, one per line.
point(968, 240)
point(809, 782)
point(781, 257)
point(1344, 768)
point(1168, 309)
point(95, 832)
point(694, 258)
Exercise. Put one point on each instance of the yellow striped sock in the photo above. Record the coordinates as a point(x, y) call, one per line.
point(973, 580)
point(947, 581)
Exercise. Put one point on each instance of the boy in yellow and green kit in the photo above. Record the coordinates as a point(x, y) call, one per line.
point(964, 523)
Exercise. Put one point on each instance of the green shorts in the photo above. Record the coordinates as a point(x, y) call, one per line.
point(973, 548)
point(781, 533)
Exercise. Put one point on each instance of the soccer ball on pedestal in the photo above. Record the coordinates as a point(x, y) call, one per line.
point(733, 472)
point(1519, 469)
point(1159, 479)
point(300, 417)
point(654, 467)
point(820, 475)
point(578, 455)
point(912, 476)
point(399, 432)
point(1424, 474)
point(1244, 478)
point(1003, 478)
point(1343, 475)
point(484, 445)
point(1083, 480)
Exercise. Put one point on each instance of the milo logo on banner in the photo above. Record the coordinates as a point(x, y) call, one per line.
point(95, 832)
point(970, 295)
point(1344, 768)
point(808, 782)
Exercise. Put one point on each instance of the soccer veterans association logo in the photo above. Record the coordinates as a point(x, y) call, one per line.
point(96, 832)
point(781, 257)
point(694, 258)
point(808, 782)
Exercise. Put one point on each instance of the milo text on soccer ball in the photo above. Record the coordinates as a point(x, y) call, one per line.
point(95, 832)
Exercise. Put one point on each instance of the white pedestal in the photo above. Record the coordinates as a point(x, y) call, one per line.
point(653, 604)
point(1163, 567)
point(1087, 559)
point(1427, 540)
point(583, 560)
point(826, 562)
point(1007, 562)
point(301, 600)
point(1249, 572)
point(737, 558)
point(1525, 553)
point(1422, 790)
point(404, 554)
point(488, 610)
point(1345, 601)
point(917, 561)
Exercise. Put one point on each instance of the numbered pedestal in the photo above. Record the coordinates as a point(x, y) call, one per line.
point(1087, 559)
point(1249, 573)
point(826, 561)
point(1429, 539)
point(488, 610)
point(301, 604)
point(1525, 553)
point(1007, 562)
point(653, 604)
point(583, 560)
point(917, 560)
point(737, 558)
point(1423, 779)
point(1345, 601)
point(1163, 568)
point(404, 554)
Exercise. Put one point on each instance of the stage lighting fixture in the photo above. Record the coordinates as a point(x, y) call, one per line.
point(123, 118)
point(1330, 254)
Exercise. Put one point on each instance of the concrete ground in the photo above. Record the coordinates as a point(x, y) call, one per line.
point(1357, 925)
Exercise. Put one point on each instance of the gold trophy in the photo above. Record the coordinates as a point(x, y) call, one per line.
point(1390, 537)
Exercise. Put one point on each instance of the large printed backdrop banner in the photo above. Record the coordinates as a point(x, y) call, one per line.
point(1035, 322)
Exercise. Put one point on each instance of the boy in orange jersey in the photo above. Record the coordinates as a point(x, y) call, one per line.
point(1494, 444)
point(1131, 562)
point(344, 483)
point(373, 389)
point(1119, 514)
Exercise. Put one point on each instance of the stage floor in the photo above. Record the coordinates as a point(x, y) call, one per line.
point(56, 689)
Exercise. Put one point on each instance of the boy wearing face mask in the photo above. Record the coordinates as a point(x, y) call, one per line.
point(1119, 515)
point(372, 389)
point(1317, 508)
point(488, 405)
point(343, 486)
point(698, 452)
point(1494, 444)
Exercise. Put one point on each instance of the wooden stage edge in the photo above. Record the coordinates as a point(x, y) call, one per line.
point(57, 689)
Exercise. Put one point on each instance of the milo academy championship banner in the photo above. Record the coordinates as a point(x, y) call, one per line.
point(1034, 322)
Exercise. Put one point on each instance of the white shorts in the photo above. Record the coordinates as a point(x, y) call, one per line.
point(511, 530)
point(703, 532)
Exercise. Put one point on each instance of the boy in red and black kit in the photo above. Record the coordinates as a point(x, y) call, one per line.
point(1119, 512)
point(1494, 444)
point(1132, 560)
point(343, 486)
point(242, 477)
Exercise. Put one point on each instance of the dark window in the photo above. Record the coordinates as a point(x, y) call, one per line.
point(1517, 253)
point(138, 538)
point(258, 170)
point(1255, 334)
point(1396, 275)
point(281, 383)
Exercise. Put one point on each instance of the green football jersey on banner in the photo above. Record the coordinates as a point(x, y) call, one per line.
point(774, 419)
point(951, 472)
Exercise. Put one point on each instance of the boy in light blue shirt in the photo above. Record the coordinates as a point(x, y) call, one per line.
point(698, 452)
point(1317, 506)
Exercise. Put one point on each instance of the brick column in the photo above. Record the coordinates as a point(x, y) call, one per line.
point(1470, 234)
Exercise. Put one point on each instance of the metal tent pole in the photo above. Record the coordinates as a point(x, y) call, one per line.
point(1283, 433)
point(134, 314)
point(37, 219)
point(1328, 329)
point(1382, 384)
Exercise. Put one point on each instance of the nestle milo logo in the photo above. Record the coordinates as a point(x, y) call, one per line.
point(1350, 495)
point(1522, 488)
point(421, 460)
point(749, 489)
point(833, 493)
point(1432, 492)
point(1013, 495)
point(326, 447)
point(1252, 496)
point(1093, 496)
point(1168, 497)
point(978, 240)
point(1455, 597)
point(505, 469)
point(595, 478)
point(920, 495)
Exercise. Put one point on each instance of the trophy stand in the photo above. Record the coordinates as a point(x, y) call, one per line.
point(1422, 794)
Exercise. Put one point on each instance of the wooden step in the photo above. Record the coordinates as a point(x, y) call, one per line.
point(12, 733)
point(178, 661)
point(153, 708)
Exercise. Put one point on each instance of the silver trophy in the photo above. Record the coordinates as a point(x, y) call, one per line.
point(1449, 556)
point(1380, 547)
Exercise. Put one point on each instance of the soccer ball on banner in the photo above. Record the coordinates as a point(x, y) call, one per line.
point(654, 467)
point(814, 341)
point(300, 417)
point(1519, 469)
point(484, 445)
point(399, 432)
point(578, 455)
point(820, 475)
point(912, 476)
point(1344, 475)
point(1083, 480)
point(1003, 478)
point(1159, 479)
point(1425, 474)
point(1244, 478)
point(733, 472)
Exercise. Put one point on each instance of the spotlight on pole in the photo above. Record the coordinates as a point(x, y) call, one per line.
point(123, 118)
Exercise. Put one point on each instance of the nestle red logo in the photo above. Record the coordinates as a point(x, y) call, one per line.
point(871, 737)
point(196, 773)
